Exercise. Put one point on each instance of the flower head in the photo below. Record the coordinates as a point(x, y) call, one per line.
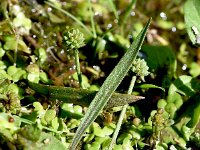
point(140, 68)
point(73, 38)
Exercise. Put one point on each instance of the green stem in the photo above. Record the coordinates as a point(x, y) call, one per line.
point(132, 84)
point(109, 86)
point(114, 9)
point(16, 49)
point(92, 20)
point(122, 114)
point(78, 69)
point(71, 16)
point(124, 18)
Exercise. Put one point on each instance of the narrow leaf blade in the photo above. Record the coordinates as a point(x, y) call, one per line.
point(109, 86)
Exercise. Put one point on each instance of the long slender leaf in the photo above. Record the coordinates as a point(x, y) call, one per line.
point(124, 18)
point(109, 86)
point(81, 96)
point(71, 16)
point(92, 20)
point(149, 86)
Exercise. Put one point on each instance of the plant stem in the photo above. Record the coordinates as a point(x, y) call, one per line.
point(78, 70)
point(122, 114)
point(16, 49)
point(114, 9)
point(92, 20)
point(71, 16)
point(124, 18)
point(109, 86)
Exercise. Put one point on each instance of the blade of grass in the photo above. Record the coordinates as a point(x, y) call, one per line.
point(81, 97)
point(109, 86)
point(92, 20)
point(124, 18)
point(114, 9)
point(71, 16)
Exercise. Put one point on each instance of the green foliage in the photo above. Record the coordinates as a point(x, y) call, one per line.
point(42, 55)
point(35, 48)
point(16, 73)
point(192, 19)
point(81, 96)
point(149, 86)
point(30, 132)
point(6, 124)
point(33, 73)
point(50, 142)
point(159, 57)
point(31, 137)
point(185, 85)
point(194, 69)
point(109, 86)
point(11, 43)
point(10, 96)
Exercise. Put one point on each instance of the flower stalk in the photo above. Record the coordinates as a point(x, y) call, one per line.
point(73, 39)
point(140, 70)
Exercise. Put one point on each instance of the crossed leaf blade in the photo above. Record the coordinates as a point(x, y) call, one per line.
point(109, 86)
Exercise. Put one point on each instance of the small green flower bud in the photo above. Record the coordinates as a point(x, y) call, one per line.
point(140, 68)
point(73, 38)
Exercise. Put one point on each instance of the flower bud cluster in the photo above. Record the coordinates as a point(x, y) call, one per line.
point(73, 38)
point(140, 68)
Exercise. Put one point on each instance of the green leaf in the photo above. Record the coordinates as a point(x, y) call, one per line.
point(42, 55)
point(30, 132)
point(55, 19)
point(189, 113)
point(195, 112)
point(21, 21)
point(11, 43)
point(46, 142)
point(192, 20)
point(44, 78)
point(97, 130)
point(109, 129)
point(2, 65)
point(70, 16)
point(33, 73)
point(160, 57)
point(49, 115)
point(2, 52)
point(6, 124)
point(109, 86)
point(55, 123)
point(16, 73)
point(194, 69)
point(161, 103)
point(81, 96)
point(149, 86)
point(4, 75)
point(38, 106)
point(176, 99)
point(185, 85)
